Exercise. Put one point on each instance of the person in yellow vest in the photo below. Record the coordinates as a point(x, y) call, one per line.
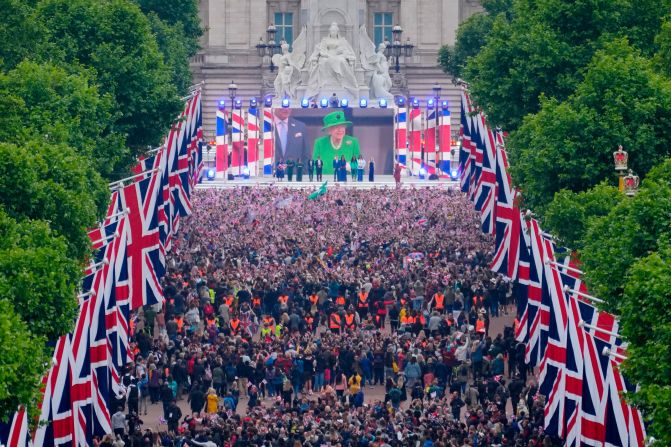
point(362, 303)
point(438, 302)
point(266, 331)
point(335, 323)
point(350, 320)
point(235, 325)
point(278, 331)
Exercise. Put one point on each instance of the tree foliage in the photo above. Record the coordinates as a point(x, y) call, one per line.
point(569, 145)
point(114, 39)
point(569, 213)
point(22, 360)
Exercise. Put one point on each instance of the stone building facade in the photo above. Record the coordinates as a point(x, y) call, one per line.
point(233, 28)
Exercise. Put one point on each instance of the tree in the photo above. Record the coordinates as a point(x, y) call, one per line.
point(36, 276)
point(543, 49)
point(175, 48)
point(46, 101)
point(183, 12)
point(633, 229)
point(568, 145)
point(19, 32)
point(22, 363)
point(569, 213)
point(471, 36)
point(51, 182)
point(114, 39)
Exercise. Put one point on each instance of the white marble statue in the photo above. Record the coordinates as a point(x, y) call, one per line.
point(375, 65)
point(289, 65)
point(331, 67)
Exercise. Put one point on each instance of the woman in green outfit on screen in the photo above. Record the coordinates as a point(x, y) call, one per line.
point(336, 143)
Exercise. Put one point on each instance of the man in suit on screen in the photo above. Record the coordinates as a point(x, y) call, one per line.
point(290, 136)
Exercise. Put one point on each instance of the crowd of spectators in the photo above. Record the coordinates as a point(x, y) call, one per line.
point(358, 319)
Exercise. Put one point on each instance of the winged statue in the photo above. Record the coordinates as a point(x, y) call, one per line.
point(289, 65)
point(375, 65)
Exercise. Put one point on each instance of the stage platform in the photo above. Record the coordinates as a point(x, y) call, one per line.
point(381, 181)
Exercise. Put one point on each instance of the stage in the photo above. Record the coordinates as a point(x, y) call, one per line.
point(381, 181)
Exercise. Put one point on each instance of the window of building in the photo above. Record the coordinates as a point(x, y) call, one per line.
point(284, 22)
point(382, 25)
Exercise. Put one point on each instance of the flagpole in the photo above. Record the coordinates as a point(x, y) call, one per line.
point(111, 236)
point(557, 264)
point(582, 323)
point(582, 294)
point(86, 294)
point(115, 215)
point(609, 353)
point(115, 184)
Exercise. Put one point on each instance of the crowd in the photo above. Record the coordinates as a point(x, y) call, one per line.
point(357, 319)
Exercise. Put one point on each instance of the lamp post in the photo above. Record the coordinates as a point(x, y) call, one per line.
point(269, 48)
point(620, 157)
point(396, 48)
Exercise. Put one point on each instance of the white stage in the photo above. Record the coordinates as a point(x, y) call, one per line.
point(381, 181)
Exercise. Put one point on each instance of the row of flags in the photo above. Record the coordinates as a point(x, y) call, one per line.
point(125, 272)
point(575, 347)
point(250, 143)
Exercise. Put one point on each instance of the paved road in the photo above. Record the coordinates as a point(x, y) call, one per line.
point(155, 412)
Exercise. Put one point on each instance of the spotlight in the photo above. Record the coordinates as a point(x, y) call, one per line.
point(344, 103)
point(245, 172)
point(211, 173)
point(422, 172)
point(238, 103)
point(429, 103)
point(253, 102)
point(400, 101)
point(415, 103)
point(454, 174)
point(363, 103)
point(305, 103)
point(324, 103)
point(285, 103)
point(445, 104)
point(268, 101)
point(222, 103)
point(382, 103)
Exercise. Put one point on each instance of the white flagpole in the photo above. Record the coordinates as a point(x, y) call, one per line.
point(582, 294)
point(115, 184)
point(557, 264)
point(609, 353)
point(598, 329)
point(106, 238)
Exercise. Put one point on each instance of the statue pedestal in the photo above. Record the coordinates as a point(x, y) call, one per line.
point(328, 90)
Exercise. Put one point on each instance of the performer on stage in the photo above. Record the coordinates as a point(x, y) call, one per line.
point(336, 143)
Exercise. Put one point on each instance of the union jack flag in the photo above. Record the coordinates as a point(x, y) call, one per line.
point(146, 264)
point(485, 193)
point(16, 433)
point(467, 152)
point(508, 221)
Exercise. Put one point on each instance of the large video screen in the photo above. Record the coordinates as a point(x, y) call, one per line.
point(325, 133)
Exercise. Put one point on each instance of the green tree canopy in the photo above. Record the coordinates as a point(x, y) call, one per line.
point(114, 38)
point(22, 362)
point(569, 145)
point(569, 213)
point(45, 101)
point(51, 182)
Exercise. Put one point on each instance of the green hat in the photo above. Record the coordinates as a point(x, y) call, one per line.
point(335, 119)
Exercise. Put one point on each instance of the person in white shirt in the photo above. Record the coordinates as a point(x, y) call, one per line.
point(361, 165)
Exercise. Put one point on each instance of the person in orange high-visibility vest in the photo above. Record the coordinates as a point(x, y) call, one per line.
point(439, 302)
point(480, 325)
point(362, 303)
point(334, 323)
point(270, 320)
point(407, 320)
point(350, 321)
point(283, 300)
point(340, 301)
point(516, 324)
point(314, 300)
point(310, 323)
point(256, 303)
point(229, 301)
point(235, 325)
point(211, 321)
point(180, 324)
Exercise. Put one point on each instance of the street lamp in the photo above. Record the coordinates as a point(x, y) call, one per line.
point(396, 48)
point(620, 157)
point(436, 91)
point(269, 48)
point(232, 90)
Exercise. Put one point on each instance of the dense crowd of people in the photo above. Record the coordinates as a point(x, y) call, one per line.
point(357, 319)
